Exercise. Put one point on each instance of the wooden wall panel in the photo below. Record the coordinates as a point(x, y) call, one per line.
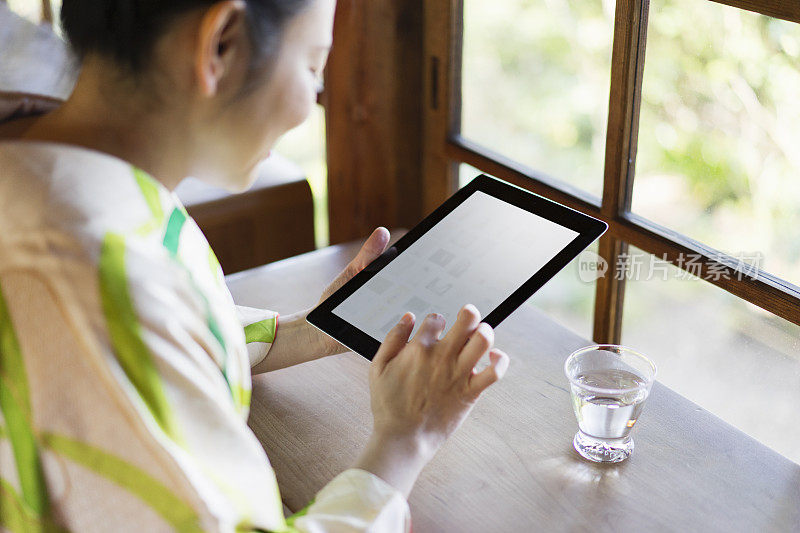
point(372, 101)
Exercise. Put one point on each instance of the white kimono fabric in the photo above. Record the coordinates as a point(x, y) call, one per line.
point(124, 372)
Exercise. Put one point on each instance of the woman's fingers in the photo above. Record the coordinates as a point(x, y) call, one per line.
point(372, 248)
point(467, 320)
point(395, 341)
point(491, 374)
point(430, 329)
point(481, 340)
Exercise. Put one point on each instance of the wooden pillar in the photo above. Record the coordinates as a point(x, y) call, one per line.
point(373, 99)
point(443, 26)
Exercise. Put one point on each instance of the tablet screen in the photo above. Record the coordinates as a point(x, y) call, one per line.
point(480, 253)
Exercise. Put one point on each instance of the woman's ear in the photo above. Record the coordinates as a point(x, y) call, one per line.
point(221, 32)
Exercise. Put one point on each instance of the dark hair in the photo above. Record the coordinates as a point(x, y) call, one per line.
point(126, 30)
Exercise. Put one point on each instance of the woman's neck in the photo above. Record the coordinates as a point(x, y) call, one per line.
point(101, 115)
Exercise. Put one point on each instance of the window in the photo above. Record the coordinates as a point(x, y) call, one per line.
point(691, 49)
point(536, 91)
point(719, 130)
point(697, 148)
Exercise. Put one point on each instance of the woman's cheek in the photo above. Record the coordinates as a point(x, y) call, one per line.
point(298, 103)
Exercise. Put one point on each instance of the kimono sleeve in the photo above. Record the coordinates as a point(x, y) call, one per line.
point(354, 501)
point(260, 328)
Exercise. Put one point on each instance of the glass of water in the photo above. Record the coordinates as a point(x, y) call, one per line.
point(609, 385)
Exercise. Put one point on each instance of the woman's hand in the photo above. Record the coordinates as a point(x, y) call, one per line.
point(423, 390)
point(297, 341)
point(372, 248)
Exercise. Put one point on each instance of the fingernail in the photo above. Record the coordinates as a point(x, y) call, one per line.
point(407, 318)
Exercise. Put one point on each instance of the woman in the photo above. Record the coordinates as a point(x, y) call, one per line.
point(124, 369)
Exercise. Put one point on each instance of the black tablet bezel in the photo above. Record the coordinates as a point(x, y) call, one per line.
point(588, 229)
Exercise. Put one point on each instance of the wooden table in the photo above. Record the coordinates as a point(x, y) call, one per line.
point(511, 466)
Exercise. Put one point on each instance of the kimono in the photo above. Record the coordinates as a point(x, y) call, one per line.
point(125, 366)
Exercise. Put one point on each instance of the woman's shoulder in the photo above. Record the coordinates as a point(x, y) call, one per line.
point(69, 206)
point(65, 203)
point(64, 200)
point(74, 188)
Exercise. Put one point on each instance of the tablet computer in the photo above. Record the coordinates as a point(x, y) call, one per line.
point(491, 244)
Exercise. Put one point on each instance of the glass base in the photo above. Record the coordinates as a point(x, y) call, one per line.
point(602, 450)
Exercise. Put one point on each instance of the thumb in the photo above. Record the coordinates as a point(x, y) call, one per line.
point(372, 248)
point(395, 340)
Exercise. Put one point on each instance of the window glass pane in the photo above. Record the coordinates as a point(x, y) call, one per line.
point(466, 173)
point(535, 83)
point(305, 145)
point(732, 358)
point(718, 155)
point(568, 298)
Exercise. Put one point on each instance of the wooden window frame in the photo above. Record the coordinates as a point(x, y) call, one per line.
point(444, 148)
